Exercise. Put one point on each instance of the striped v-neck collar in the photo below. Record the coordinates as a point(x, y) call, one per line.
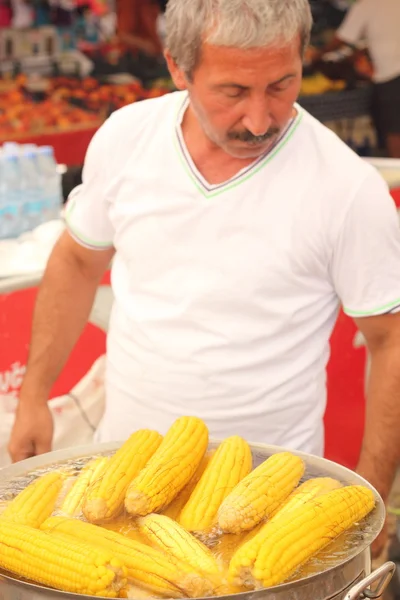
point(210, 190)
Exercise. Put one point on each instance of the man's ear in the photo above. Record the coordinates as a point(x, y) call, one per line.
point(177, 74)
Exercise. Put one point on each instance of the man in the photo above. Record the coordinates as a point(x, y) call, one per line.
point(377, 23)
point(238, 224)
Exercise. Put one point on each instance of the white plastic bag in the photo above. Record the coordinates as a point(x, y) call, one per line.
point(76, 415)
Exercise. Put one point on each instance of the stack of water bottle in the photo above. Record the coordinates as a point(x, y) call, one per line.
point(30, 188)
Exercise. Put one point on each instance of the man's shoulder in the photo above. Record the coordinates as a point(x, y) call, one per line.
point(331, 156)
point(141, 112)
point(128, 128)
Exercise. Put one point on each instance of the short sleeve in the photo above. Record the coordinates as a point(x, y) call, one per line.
point(87, 210)
point(366, 256)
point(353, 28)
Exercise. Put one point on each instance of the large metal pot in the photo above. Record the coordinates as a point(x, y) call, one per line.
point(349, 579)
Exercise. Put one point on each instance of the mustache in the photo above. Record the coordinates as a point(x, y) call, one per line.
point(250, 138)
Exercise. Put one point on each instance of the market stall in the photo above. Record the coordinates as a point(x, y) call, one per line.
point(62, 107)
point(64, 112)
point(69, 146)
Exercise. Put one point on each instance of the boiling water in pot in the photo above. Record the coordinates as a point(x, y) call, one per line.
point(341, 550)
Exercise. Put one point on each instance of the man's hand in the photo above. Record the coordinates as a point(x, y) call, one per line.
point(32, 433)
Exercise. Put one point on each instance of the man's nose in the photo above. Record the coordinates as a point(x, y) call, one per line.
point(257, 119)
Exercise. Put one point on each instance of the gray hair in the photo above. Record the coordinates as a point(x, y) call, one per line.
point(237, 23)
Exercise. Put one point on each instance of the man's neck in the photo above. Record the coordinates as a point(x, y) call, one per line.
point(216, 165)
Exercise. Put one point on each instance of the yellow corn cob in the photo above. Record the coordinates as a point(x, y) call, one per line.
point(312, 488)
point(3, 505)
point(90, 474)
point(328, 557)
point(259, 494)
point(67, 565)
point(231, 462)
point(105, 497)
point(170, 469)
point(288, 541)
point(147, 567)
point(173, 509)
point(170, 537)
point(36, 502)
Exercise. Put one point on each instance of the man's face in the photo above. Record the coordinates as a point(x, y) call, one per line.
point(243, 99)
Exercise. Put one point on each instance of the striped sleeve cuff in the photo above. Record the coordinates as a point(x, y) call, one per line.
point(82, 238)
point(391, 307)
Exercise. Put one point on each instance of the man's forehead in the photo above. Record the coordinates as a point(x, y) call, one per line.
point(230, 54)
point(270, 62)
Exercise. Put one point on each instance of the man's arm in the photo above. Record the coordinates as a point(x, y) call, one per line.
point(336, 43)
point(349, 33)
point(63, 305)
point(380, 454)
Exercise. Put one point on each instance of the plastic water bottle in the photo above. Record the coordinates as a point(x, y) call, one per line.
point(11, 148)
point(10, 194)
point(50, 181)
point(26, 147)
point(32, 197)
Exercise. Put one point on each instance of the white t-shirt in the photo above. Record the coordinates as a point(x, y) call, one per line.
point(226, 295)
point(378, 24)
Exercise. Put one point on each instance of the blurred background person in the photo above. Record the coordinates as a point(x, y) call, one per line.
point(138, 25)
point(377, 24)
